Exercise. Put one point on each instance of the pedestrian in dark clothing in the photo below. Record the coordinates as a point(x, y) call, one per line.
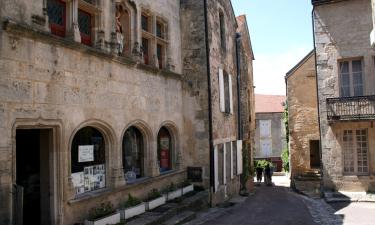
point(267, 175)
point(259, 171)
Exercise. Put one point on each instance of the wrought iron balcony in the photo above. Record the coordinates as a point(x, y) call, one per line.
point(351, 108)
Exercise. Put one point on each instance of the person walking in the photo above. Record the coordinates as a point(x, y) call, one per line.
point(259, 171)
point(267, 175)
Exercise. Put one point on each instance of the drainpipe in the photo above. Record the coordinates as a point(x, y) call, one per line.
point(238, 62)
point(317, 96)
point(211, 143)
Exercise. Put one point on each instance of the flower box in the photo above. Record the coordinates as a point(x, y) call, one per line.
point(174, 194)
point(110, 219)
point(156, 202)
point(133, 211)
point(187, 189)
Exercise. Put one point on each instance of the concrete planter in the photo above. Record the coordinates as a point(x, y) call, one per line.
point(111, 219)
point(133, 211)
point(174, 194)
point(187, 189)
point(156, 203)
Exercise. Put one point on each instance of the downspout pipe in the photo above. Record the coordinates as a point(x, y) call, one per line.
point(211, 143)
point(318, 105)
point(238, 64)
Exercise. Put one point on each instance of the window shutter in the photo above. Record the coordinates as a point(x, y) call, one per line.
point(231, 160)
point(230, 94)
point(221, 90)
point(239, 157)
point(224, 164)
point(216, 169)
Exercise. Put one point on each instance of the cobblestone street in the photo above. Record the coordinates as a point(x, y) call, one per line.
point(278, 205)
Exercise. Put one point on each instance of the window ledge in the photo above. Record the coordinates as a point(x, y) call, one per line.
point(108, 191)
point(28, 31)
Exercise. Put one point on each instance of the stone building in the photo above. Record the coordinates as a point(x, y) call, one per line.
point(99, 99)
point(345, 77)
point(210, 62)
point(303, 117)
point(247, 89)
point(270, 135)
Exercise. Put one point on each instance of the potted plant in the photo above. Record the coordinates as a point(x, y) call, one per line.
point(173, 192)
point(102, 215)
point(132, 207)
point(155, 199)
point(187, 187)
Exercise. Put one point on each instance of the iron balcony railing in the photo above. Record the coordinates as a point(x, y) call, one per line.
point(351, 108)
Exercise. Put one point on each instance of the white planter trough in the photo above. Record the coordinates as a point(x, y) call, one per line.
point(187, 189)
point(174, 194)
point(111, 219)
point(133, 211)
point(156, 203)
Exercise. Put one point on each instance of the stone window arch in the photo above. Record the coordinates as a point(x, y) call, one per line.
point(168, 156)
point(88, 160)
point(133, 154)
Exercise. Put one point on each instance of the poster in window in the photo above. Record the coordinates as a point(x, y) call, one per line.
point(78, 182)
point(94, 177)
point(164, 143)
point(85, 153)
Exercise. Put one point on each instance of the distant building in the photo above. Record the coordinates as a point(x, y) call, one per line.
point(346, 78)
point(304, 139)
point(270, 133)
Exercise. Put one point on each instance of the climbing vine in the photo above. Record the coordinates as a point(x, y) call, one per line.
point(285, 152)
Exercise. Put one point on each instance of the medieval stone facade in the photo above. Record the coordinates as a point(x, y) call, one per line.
point(345, 77)
point(99, 99)
point(303, 117)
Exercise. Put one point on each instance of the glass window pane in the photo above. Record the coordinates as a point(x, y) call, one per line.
point(132, 154)
point(357, 77)
point(84, 22)
point(344, 79)
point(164, 150)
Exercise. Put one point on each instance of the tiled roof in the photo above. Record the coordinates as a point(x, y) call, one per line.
point(269, 103)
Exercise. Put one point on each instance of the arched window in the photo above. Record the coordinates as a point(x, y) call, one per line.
point(164, 150)
point(222, 30)
point(132, 154)
point(88, 160)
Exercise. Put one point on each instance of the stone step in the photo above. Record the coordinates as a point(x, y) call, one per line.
point(181, 218)
point(308, 188)
point(306, 178)
point(194, 201)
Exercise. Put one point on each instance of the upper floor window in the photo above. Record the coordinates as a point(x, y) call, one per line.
point(154, 41)
point(351, 78)
point(56, 10)
point(222, 30)
point(85, 26)
point(225, 89)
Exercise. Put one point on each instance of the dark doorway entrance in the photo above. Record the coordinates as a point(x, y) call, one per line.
point(314, 154)
point(33, 174)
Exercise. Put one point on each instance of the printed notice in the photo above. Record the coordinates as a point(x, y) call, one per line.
point(85, 153)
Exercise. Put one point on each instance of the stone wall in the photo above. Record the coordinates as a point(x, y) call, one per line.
point(339, 36)
point(303, 114)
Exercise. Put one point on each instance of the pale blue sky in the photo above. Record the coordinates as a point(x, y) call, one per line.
point(281, 36)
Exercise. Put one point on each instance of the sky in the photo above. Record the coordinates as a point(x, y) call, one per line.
point(281, 36)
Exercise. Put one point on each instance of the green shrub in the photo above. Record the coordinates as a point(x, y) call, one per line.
point(132, 201)
point(262, 164)
point(153, 194)
point(185, 183)
point(285, 159)
point(103, 210)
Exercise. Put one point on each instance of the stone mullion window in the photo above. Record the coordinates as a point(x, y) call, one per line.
point(355, 152)
point(56, 10)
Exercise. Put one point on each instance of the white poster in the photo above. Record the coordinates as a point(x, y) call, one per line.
point(85, 153)
point(78, 182)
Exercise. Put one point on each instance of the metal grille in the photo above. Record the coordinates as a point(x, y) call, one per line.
point(362, 149)
point(55, 10)
point(351, 108)
point(348, 151)
point(84, 21)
